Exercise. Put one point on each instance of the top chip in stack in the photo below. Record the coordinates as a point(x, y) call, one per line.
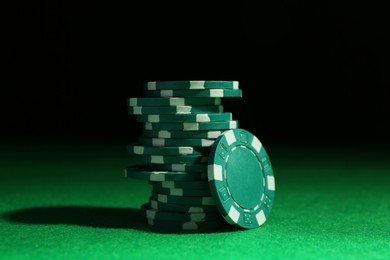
point(182, 119)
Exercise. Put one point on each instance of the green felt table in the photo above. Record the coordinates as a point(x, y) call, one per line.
point(71, 201)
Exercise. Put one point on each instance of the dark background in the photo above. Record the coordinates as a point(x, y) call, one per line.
point(309, 71)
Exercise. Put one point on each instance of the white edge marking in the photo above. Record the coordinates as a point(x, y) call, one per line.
point(162, 198)
point(157, 176)
point(234, 214)
point(256, 144)
point(230, 137)
point(178, 167)
point(151, 85)
point(151, 214)
point(176, 192)
point(157, 159)
point(148, 126)
point(164, 134)
point(207, 142)
point(137, 110)
point(133, 102)
point(214, 172)
point(190, 126)
point(168, 184)
point(216, 93)
point(271, 182)
point(186, 150)
point(260, 217)
point(235, 84)
point(183, 109)
point(166, 93)
point(213, 134)
point(176, 102)
point(197, 217)
point(190, 226)
point(202, 118)
point(197, 84)
point(153, 204)
point(233, 124)
point(154, 118)
point(138, 149)
point(158, 142)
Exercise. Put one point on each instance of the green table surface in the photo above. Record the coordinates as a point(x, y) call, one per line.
point(71, 201)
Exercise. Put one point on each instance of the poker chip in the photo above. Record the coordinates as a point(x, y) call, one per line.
point(169, 207)
point(162, 150)
point(207, 93)
point(192, 126)
point(191, 84)
point(173, 101)
point(173, 110)
point(194, 118)
point(241, 178)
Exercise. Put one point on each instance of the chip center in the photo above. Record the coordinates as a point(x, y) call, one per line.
point(244, 177)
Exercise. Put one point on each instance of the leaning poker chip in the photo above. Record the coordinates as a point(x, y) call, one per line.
point(175, 142)
point(162, 150)
point(181, 208)
point(213, 134)
point(185, 126)
point(173, 110)
point(189, 118)
point(191, 84)
point(148, 212)
point(241, 179)
point(173, 101)
point(211, 93)
point(145, 173)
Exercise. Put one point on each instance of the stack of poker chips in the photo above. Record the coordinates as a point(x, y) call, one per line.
point(181, 119)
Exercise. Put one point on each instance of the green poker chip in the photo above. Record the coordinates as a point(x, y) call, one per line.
point(176, 142)
point(182, 192)
point(191, 84)
point(146, 173)
point(187, 226)
point(181, 167)
point(181, 184)
point(190, 126)
point(162, 159)
point(213, 134)
point(174, 110)
point(150, 213)
point(210, 93)
point(189, 118)
point(181, 208)
point(173, 101)
point(161, 150)
point(241, 179)
point(207, 201)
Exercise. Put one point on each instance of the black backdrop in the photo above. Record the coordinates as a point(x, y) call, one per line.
point(308, 71)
